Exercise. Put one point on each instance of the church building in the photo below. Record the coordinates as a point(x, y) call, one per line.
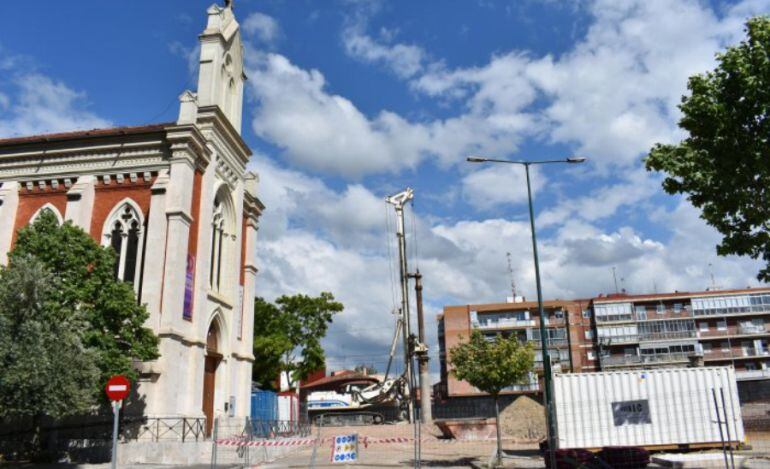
point(177, 204)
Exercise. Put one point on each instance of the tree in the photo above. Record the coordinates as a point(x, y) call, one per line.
point(287, 335)
point(85, 283)
point(492, 365)
point(45, 368)
point(724, 164)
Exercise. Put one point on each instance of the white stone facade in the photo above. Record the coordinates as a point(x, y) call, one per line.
point(171, 199)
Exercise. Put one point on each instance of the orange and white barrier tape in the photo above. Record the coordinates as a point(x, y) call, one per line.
point(366, 441)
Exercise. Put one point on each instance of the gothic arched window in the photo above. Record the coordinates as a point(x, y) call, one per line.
point(222, 235)
point(124, 232)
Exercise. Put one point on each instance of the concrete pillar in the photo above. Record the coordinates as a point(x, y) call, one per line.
point(155, 254)
point(80, 202)
point(9, 203)
point(178, 203)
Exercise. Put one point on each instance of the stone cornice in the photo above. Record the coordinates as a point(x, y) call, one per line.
point(82, 156)
point(187, 141)
point(173, 334)
point(212, 117)
point(248, 357)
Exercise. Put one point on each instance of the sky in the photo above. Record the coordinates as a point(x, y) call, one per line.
point(348, 101)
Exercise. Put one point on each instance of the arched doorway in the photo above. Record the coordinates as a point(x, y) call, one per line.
point(213, 357)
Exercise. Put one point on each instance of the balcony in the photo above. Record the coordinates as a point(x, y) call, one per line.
point(755, 352)
point(619, 339)
point(749, 375)
point(733, 311)
point(749, 329)
point(735, 353)
point(535, 341)
point(505, 324)
point(667, 335)
point(637, 360)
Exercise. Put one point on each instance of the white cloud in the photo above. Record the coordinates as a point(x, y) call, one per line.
point(42, 105)
point(328, 132)
point(405, 60)
point(263, 27)
point(500, 185)
point(633, 188)
point(610, 98)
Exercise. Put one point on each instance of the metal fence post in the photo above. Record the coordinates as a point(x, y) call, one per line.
point(727, 424)
point(719, 422)
point(317, 441)
point(214, 444)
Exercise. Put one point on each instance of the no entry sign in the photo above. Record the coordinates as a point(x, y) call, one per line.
point(117, 388)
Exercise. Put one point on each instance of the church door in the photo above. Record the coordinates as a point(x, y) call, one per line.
point(213, 358)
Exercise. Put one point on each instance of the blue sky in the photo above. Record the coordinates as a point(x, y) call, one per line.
point(349, 101)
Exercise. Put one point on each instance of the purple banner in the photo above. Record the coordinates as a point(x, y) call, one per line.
point(189, 283)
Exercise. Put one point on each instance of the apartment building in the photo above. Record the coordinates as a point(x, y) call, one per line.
point(568, 325)
point(622, 331)
point(728, 327)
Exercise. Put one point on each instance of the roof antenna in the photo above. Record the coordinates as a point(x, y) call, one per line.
point(713, 282)
point(510, 272)
point(615, 277)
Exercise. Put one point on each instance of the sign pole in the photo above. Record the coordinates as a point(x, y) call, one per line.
point(115, 412)
point(117, 389)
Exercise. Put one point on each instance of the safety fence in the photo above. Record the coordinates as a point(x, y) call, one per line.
point(705, 423)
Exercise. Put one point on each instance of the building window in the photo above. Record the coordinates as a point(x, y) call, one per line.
point(590, 355)
point(660, 308)
point(558, 314)
point(722, 325)
point(751, 366)
point(725, 347)
point(587, 314)
point(703, 326)
point(706, 346)
point(589, 334)
point(222, 240)
point(125, 234)
point(641, 312)
point(677, 308)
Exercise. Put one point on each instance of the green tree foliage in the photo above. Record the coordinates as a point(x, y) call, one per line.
point(85, 279)
point(724, 164)
point(492, 365)
point(45, 368)
point(287, 335)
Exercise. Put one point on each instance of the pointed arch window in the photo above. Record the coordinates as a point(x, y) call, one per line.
point(221, 240)
point(124, 232)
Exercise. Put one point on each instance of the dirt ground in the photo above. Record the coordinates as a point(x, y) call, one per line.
point(386, 449)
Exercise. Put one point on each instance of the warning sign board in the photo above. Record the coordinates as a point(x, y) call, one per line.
point(345, 449)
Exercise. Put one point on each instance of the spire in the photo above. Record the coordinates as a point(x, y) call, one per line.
point(221, 75)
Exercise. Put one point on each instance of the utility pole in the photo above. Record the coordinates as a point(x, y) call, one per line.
point(398, 201)
point(421, 350)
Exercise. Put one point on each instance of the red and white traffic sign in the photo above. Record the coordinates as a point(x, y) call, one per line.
point(117, 388)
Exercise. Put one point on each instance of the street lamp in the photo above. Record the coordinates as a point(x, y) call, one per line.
point(548, 394)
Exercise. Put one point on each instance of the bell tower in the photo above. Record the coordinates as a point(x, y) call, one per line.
point(221, 76)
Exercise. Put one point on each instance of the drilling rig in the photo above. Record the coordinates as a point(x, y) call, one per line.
point(378, 402)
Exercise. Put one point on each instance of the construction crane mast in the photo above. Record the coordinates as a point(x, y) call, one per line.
point(399, 201)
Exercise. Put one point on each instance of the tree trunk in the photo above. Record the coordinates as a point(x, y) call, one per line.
point(499, 439)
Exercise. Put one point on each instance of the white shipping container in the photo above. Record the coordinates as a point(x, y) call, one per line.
point(667, 406)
